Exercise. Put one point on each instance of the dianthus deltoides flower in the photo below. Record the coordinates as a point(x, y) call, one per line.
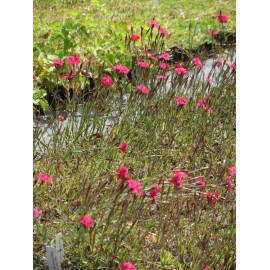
point(197, 62)
point(143, 64)
point(127, 266)
point(180, 70)
point(143, 89)
point(134, 37)
point(74, 59)
point(36, 213)
point(134, 186)
point(152, 22)
point(222, 18)
point(107, 81)
point(45, 178)
point(121, 69)
point(177, 179)
point(87, 221)
point(154, 192)
point(164, 56)
point(124, 147)
point(181, 101)
point(213, 32)
point(57, 62)
point(123, 173)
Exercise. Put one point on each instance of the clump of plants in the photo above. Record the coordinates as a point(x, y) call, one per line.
point(145, 178)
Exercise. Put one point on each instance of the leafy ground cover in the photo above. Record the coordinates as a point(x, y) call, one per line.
point(154, 189)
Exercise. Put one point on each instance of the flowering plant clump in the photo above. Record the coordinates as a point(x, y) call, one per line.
point(107, 81)
point(87, 221)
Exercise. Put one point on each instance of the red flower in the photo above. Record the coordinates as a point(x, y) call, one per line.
point(121, 69)
point(154, 191)
point(232, 170)
point(69, 76)
point(151, 57)
point(164, 66)
point(57, 63)
point(74, 60)
point(209, 80)
point(163, 31)
point(143, 64)
point(107, 81)
point(162, 77)
point(62, 119)
point(222, 18)
point(123, 173)
point(206, 269)
point(164, 56)
point(134, 37)
point(143, 89)
point(124, 147)
point(135, 187)
point(127, 266)
point(87, 221)
point(36, 213)
point(218, 64)
point(197, 62)
point(180, 70)
point(181, 101)
point(213, 32)
point(45, 178)
point(209, 197)
point(152, 22)
point(177, 179)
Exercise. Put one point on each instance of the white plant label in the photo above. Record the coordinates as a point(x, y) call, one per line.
point(52, 261)
point(59, 248)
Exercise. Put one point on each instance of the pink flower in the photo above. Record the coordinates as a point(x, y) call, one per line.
point(209, 80)
point(121, 69)
point(218, 64)
point(87, 221)
point(154, 191)
point(164, 56)
point(143, 64)
point(57, 63)
point(36, 213)
point(197, 62)
point(224, 59)
point(162, 77)
point(180, 70)
point(151, 57)
point(74, 60)
point(164, 66)
point(222, 18)
point(209, 197)
point(216, 197)
point(45, 178)
point(135, 187)
point(69, 76)
point(202, 103)
point(177, 179)
point(124, 147)
point(62, 119)
point(213, 32)
point(163, 31)
point(201, 182)
point(229, 183)
point(107, 81)
point(233, 66)
point(181, 101)
point(206, 269)
point(123, 173)
point(232, 170)
point(152, 22)
point(143, 89)
point(134, 37)
point(127, 266)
